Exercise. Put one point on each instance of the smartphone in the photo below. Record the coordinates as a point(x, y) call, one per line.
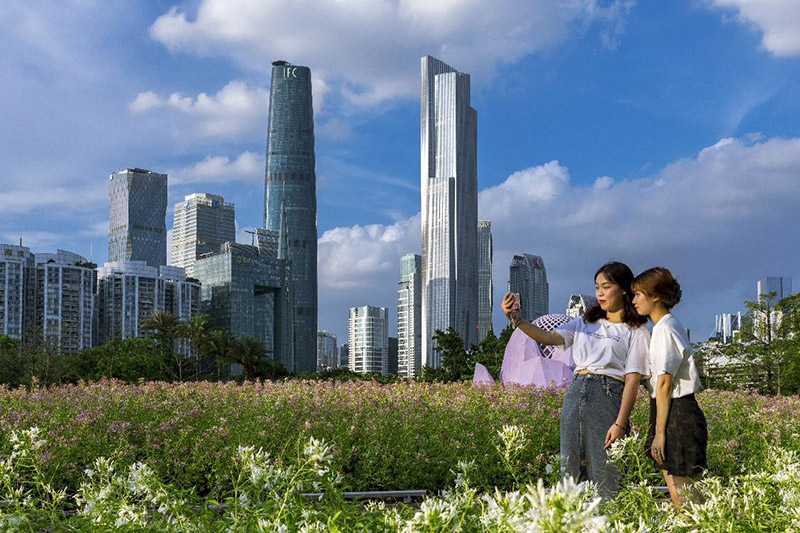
point(516, 305)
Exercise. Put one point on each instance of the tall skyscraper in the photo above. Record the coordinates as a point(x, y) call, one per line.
point(449, 186)
point(484, 278)
point(578, 304)
point(290, 202)
point(369, 340)
point(327, 351)
point(138, 205)
point(409, 317)
point(202, 222)
point(528, 277)
point(16, 288)
point(781, 286)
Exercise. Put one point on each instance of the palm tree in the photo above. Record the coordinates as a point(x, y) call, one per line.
point(197, 330)
point(249, 353)
point(164, 326)
point(221, 346)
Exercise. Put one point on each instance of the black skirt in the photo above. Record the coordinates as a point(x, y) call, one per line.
point(686, 438)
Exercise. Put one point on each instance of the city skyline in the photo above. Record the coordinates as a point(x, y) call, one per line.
point(652, 134)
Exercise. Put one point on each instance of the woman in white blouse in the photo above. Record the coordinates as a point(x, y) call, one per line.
point(609, 345)
point(677, 436)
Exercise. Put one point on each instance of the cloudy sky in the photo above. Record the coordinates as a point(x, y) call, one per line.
point(656, 133)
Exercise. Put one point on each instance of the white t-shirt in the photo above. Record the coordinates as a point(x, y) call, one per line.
point(608, 348)
point(671, 353)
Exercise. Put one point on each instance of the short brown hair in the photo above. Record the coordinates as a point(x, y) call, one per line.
point(659, 282)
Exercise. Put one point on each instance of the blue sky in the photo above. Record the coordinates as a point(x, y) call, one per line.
point(656, 133)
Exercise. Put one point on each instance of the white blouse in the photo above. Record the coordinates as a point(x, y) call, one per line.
point(608, 348)
point(671, 353)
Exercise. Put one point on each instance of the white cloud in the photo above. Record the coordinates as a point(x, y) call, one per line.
point(248, 166)
point(713, 219)
point(235, 111)
point(372, 48)
point(37, 196)
point(777, 20)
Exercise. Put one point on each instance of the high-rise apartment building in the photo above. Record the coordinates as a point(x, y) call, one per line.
point(138, 206)
point(327, 351)
point(449, 197)
point(16, 289)
point(290, 197)
point(64, 305)
point(409, 317)
point(578, 304)
point(485, 287)
point(369, 340)
point(129, 292)
point(201, 223)
point(528, 277)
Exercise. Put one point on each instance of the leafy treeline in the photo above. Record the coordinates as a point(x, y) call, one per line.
point(173, 351)
point(766, 355)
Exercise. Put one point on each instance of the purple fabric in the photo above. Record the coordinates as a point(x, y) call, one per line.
point(525, 364)
point(482, 375)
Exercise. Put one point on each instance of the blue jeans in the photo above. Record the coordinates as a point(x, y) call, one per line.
point(591, 406)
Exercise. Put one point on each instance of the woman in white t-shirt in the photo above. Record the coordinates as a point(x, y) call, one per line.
point(678, 435)
point(609, 345)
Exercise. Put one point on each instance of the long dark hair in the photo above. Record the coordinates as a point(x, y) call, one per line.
point(618, 274)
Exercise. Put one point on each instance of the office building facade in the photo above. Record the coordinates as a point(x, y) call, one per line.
point(409, 317)
point(246, 292)
point(781, 286)
point(578, 304)
point(369, 340)
point(137, 210)
point(449, 210)
point(327, 351)
point(485, 287)
point(528, 277)
point(290, 202)
point(202, 222)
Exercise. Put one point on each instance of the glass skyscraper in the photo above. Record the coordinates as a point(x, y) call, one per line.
point(137, 230)
point(484, 278)
point(528, 277)
point(369, 340)
point(409, 317)
point(202, 222)
point(449, 187)
point(290, 203)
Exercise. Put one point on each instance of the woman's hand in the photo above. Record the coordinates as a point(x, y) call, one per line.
point(657, 448)
point(614, 433)
point(510, 304)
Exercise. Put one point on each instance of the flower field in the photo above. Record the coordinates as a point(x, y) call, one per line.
point(175, 457)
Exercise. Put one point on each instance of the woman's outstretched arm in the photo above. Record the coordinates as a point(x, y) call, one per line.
point(534, 332)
